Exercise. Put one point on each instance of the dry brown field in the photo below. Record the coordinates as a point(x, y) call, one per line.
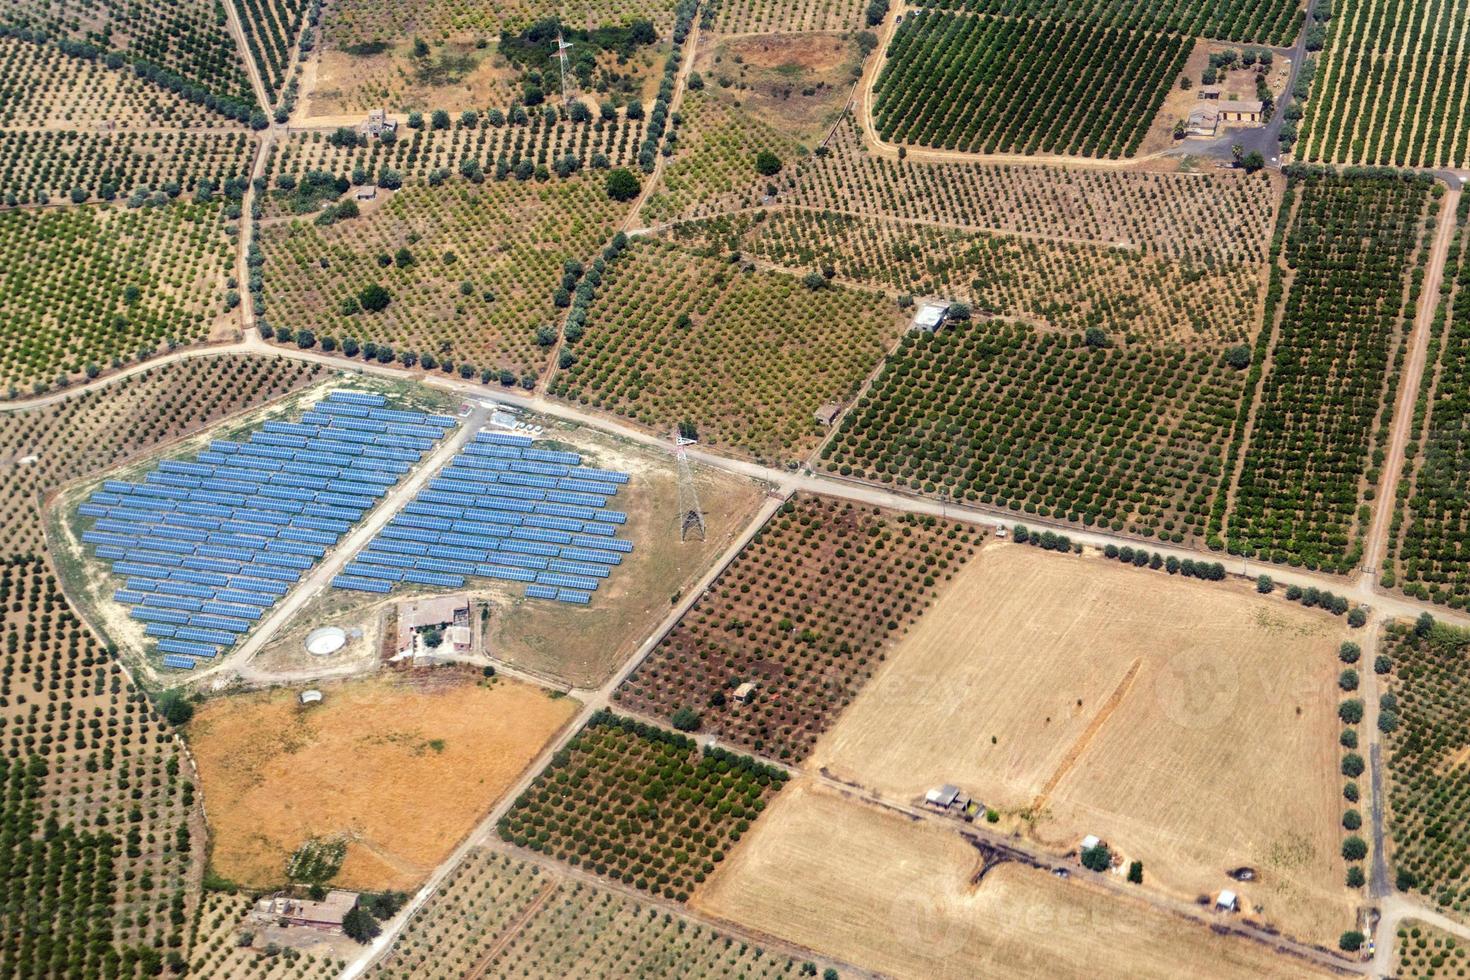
point(798, 83)
point(887, 894)
point(1192, 725)
point(401, 765)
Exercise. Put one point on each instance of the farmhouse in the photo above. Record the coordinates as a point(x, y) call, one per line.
point(1228, 901)
point(947, 798)
point(377, 123)
point(1203, 121)
point(326, 915)
point(1240, 110)
point(745, 693)
point(930, 317)
point(451, 612)
point(828, 413)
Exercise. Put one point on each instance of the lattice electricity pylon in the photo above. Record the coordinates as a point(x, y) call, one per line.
point(691, 516)
point(561, 57)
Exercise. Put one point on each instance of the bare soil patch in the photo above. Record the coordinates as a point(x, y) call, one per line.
point(401, 765)
point(887, 894)
point(1190, 724)
point(798, 83)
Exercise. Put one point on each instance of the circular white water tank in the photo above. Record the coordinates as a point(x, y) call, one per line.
point(324, 641)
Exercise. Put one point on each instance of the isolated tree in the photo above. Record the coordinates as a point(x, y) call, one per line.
point(1097, 858)
point(360, 925)
point(374, 298)
point(622, 184)
point(685, 720)
point(767, 164)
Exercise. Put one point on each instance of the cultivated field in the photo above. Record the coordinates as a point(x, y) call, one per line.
point(898, 897)
point(1069, 285)
point(1271, 21)
point(1427, 716)
point(641, 805)
point(270, 28)
point(1320, 425)
point(774, 16)
point(713, 170)
point(216, 950)
point(41, 166)
point(1424, 952)
point(1427, 559)
point(807, 612)
point(185, 43)
point(400, 766)
point(746, 355)
point(92, 777)
point(513, 918)
point(1390, 88)
point(1016, 85)
point(1203, 216)
point(472, 271)
point(1149, 710)
point(46, 88)
point(90, 286)
point(438, 156)
point(1043, 423)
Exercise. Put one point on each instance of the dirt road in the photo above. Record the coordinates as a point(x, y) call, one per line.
point(1403, 415)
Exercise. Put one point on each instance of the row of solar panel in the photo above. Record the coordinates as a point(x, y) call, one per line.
point(544, 469)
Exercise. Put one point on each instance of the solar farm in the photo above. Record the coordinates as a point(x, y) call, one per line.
point(208, 545)
point(506, 511)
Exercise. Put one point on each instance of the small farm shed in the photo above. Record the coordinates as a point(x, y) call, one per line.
point(326, 915)
point(1203, 121)
point(828, 413)
point(458, 637)
point(377, 123)
point(930, 317)
point(1228, 901)
point(1090, 841)
point(947, 797)
point(1209, 91)
point(446, 611)
point(311, 697)
point(745, 692)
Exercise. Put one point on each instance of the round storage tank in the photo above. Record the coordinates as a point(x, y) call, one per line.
point(325, 641)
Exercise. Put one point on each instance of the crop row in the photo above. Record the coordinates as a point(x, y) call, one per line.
point(806, 613)
point(1310, 466)
point(471, 272)
point(37, 167)
point(1390, 88)
point(1073, 285)
point(92, 285)
point(1424, 952)
point(190, 41)
point(514, 918)
point(990, 84)
point(1426, 715)
point(477, 153)
point(778, 16)
point(40, 86)
point(1269, 21)
point(96, 801)
point(270, 28)
point(746, 356)
point(641, 805)
point(1203, 217)
point(362, 25)
point(1433, 548)
point(1123, 438)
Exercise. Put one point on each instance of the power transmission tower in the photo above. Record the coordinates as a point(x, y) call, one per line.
point(561, 57)
point(691, 516)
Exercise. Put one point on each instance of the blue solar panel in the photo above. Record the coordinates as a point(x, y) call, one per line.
point(521, 561)
point(578, 568)
point(540, 534)
point(434, 578)
point(186, 647)
point(384, 572)
point(202, 578)
point(552, 456)
point(463, 554)
point(330, 510)
point(502, 439)
point(92, 510)
point(231, 609)
point(541, 591)
point(568, 581)
point(179, 466)
point(588, 554)
point(178, 662)
point(225, 447)
point(171, 602)
point(211, 564)
point(554, 523)
point(322, 524)
point(531, 548)
point(295, 548)
point(218, 637)
point(451, 566)
point(574, 596)
point(360, 425)
point(411, 534)
point(228, 624)
point(112, 552)
point(360, 584)
point(149, 615)
point(161, 629)
point(356, 397)
point(127, 597)
point(400, 547)
point(186, 589)
point(385, 558)
point(598, 528)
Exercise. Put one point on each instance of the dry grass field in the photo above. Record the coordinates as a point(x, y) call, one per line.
point(1189, 724)
point(401, 765)
point(798, 83)
point(895, 896)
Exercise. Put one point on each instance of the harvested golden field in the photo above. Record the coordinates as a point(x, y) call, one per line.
point(887, 894)
point(402, 766)
point(1189, 724)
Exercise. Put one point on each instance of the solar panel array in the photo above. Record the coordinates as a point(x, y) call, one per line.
point(507, 511)
point(209, 544)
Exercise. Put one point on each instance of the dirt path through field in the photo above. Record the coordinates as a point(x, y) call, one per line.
point(511, 931)
point(1376, 546)
point(1085, 739)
